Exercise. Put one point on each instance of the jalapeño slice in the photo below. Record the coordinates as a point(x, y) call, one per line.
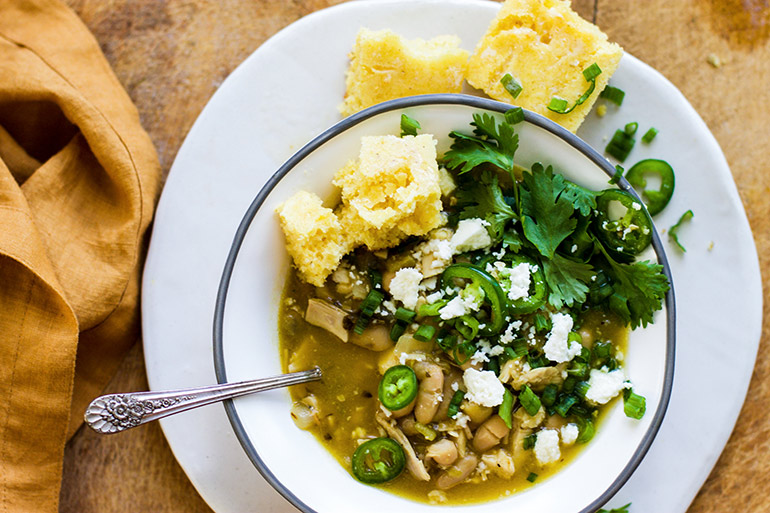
point(378, 460)
point(493, 293)
point(622, 223)
point(398, 387)
point(656, 200)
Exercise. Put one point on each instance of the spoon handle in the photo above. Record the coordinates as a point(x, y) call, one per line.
point(114, 413)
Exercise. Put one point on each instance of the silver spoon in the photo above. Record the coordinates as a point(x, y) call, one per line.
point(114, 413)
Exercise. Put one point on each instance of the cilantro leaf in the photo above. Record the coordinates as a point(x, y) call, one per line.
point(567, 280)
point(546, 212)
point(583, 199)
point(492, 143)
point(483, 198)
point(639, 290)
point(409, 125)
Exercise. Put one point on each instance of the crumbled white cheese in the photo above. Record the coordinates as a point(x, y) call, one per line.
point(547, 446)
point(484, 350)
point(471, 235)
point(558, 348)
point(569, 433)
point(636, 206)
point(405, 286)
point(520, 280)
point(483, 387)
point(432, 298)
point(604, 385)
point(461, 419)
point(458, 306)
point(507, 337)
point(389, 306)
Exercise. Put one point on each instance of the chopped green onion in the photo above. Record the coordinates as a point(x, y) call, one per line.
point(581, 389)
point(375, 278)
point(468, 326)
point(673, 232)
point(425, 333)
point(601, 350)
point(631, 128)
point(466, 349)
point(649, 135)
point(432, 309)
point(586, 430)
point(591, 72)
point(454, 404)
point(542, 323)
point(613, 94)
point(514, 116)
point(569, 384)
point(511, 85)
point(536, 362)
point(519, 347)
point(397, 330)
point(529, 401)
point(565, 403)
point(617, 176)
point(578, 369)
point(372, 301)
point(559, 105)
point(620, 145)
point(634, 405)
point(549, 394)
point(529, 441)
point(447, 343)
point(402, 314)
point(531, 477)
point(409, 126)
point(494, 366)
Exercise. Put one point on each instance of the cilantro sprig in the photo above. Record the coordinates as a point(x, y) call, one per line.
point(483, 198)
point(558, 223)
point(491, 143)
point(547, 214)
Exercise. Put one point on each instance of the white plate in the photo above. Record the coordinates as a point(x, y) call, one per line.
point(286, 93)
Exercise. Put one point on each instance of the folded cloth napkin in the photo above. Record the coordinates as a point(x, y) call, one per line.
point(79, 178)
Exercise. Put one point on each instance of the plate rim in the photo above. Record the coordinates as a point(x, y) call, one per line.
point(403, 103)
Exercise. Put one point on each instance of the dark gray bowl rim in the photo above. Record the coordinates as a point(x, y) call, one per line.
point(404, 103)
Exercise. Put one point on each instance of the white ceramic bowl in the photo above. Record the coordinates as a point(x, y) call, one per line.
point(246, 335)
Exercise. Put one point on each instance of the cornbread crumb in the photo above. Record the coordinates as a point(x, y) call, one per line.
point(601, 110)
point(385, 66)
point(714, 60)
point(314, 237)
point(530, 36)
point(391, 192)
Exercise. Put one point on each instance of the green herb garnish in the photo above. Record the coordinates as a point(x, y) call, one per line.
point(673, 232)
point(560, 105)
point(409, 126)
point(511, 85)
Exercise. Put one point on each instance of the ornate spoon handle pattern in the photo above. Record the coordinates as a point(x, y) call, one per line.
point(117, 412)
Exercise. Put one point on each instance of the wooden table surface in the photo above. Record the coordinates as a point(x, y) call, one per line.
point(171, 55)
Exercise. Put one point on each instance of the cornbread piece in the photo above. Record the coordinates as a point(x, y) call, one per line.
point(385, 66)
point(545, 46)
point(313, 236)
point(391, 192)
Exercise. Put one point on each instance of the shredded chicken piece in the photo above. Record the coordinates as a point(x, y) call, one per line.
point(413, 463)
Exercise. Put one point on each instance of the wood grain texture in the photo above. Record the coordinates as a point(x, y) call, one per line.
point(171, 55)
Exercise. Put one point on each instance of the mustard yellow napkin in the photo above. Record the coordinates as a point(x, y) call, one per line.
point(78, 183)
